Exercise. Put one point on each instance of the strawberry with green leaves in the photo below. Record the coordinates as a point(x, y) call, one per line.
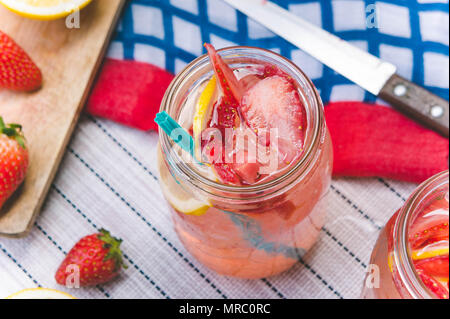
point(98, 257)
point(17, 71)
point(13, 159)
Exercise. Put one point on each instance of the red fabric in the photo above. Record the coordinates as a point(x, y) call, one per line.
point(368, 140)
point(373, 140)
point(129, 92)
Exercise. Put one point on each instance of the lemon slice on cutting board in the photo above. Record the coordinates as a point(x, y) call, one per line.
point(40, 293)
point(44, 9)
point(177, 196)
point(203, 112)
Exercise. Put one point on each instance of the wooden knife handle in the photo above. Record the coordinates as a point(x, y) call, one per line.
point(420, 104)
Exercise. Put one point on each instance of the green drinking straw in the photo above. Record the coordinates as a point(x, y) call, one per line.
point(178, 134)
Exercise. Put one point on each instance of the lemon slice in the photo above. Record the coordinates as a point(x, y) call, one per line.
point(391, 262)
point(44, 9)
point(418, 255)
point(40, 293)
point(176, 195)
point(203, 112)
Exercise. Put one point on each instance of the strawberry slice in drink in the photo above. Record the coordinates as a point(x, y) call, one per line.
point(433, 231)
point(231, 88)
point(433, 285)
point(437, 266)
point(239, 166)
point(225, 116)
point(260, 73)
point(428, 237)
point(272, 70)
point(432, 226)
point(272, 106)
point(247, 166)
point(227, 174)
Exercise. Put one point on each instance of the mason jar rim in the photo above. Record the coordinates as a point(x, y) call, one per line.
point(407, 213)
point(295, 72)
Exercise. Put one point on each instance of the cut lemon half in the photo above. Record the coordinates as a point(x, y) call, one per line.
point(40, 293)
point(203, 112)
point(177, 196)
point(44, 9)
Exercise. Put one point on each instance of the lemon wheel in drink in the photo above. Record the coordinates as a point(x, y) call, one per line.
point(178, 198)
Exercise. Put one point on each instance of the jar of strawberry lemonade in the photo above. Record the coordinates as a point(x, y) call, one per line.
point(235, 218)
point(410, 258)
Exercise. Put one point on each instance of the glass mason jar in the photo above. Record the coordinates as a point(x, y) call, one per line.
point(393, 274)
point(250, 231)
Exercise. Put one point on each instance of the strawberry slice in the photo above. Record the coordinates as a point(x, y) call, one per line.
point(432, 226)
point(430, 235)
point(231, 88)
point(274, 103)
point(433, 285)
point(248, 81)
point(248, 170)
point(260, 73)
point(227, 174)
point(271, 70)
point(436, 266)
point(440, 203)
point(226, 116)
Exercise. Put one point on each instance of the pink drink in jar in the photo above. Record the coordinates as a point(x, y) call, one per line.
point(255, 204)
point(411, 255)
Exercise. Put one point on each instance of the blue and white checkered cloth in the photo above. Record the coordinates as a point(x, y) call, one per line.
point(108, 177)
point(412, 34)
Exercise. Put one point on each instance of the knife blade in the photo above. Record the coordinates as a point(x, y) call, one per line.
point(369, 72)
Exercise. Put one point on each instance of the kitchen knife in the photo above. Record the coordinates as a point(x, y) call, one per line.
point(369, 72)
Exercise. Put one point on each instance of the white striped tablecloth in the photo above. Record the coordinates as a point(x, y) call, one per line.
point(108, 178)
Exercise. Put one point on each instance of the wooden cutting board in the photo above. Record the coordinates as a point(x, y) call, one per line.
point(69, 60)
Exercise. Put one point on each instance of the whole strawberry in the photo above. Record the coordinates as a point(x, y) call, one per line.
point(96, 257)
point(13, 159)
point(17, 71)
